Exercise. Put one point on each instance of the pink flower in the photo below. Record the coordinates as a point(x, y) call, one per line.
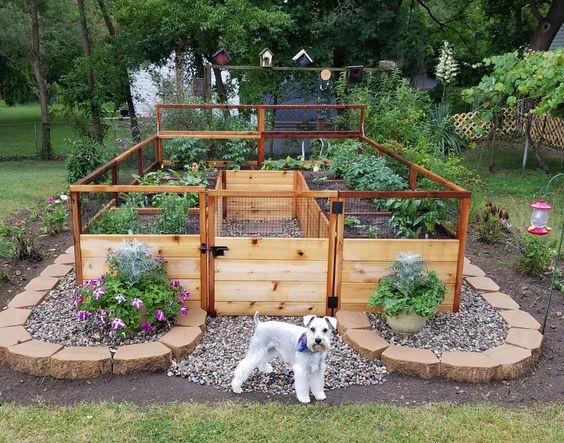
point(184, 310)
point(136, 303)
point(20, 222)
point(174, 283)
point(117, 323)
point(92, 282)
point(98, 292)
point(101, 317)
point(83, 315)
point(77, 300)
point(160, 315)
point(51, 200)
point(184, 295)
point(147, 327)
point(120, 298)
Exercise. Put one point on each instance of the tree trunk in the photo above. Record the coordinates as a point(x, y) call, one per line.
point(535, 146)
point(134, 124)
point(94, 108)
point(46, 150)
point(548, 25)
point(221, 92)
point(179, 73)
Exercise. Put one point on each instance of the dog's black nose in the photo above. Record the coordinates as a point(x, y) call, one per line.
point(317, 340)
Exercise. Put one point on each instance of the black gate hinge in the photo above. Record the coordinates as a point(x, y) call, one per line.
point(337, 208)
point(333, 302)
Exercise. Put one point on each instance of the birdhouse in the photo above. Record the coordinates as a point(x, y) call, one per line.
point(221, 57)
point(265, 58)
point(302, 59)
point(355, 74)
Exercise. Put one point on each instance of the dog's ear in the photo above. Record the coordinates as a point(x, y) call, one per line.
point(308, 319)
point(332, 321)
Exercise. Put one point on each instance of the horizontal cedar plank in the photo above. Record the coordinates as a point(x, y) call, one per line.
point(210, 134)
point(260, 187)
point(256, 214)
point(185, 246)
point(137, 188)
point(272, 194)
point(362, 307)
point(269, 308)
point(272, 204)
point(250, 248)
point(279, 270)
point(270, 290)
point(266, 177)
point(175, 268)
point(389, 249)
point(371, 272)
point(359, 292)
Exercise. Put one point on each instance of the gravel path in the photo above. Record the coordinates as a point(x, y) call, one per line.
point(54, 321)
point(226, 341)
point(475, 328)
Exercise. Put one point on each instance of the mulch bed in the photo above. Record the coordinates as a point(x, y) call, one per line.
point(545, 382)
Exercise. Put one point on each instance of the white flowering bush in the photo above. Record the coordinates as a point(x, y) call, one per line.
point(447, 67)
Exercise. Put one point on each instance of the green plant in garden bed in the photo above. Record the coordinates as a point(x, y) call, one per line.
point(290, 163)
point(492, 223)
point(185, 151)
point(174, 213)
point(121, 220)
point(409, 288)
point(135, 295)
point(410, 216)
point(237, 152)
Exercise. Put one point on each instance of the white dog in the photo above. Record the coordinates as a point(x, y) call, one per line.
point(304, 349)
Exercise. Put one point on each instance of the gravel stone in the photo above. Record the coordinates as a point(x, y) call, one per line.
point(225, 343)
point(475, 328)
point(262, 228)
point(54, 321)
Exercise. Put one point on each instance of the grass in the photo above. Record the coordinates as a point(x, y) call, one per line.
point(233, 422)
point(25, 183)
point(513, 189)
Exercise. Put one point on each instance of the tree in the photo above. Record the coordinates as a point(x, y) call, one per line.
point(548, 25)
point(94, 106)
point(46, 150)
point(534, 76)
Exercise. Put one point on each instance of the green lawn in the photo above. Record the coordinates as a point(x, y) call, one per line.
point(233, 422)
point(20, 130)
point(513, 189)
point(23, 184)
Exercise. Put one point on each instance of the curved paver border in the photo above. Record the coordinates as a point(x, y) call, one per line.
point(24, 354)
point(509, 360)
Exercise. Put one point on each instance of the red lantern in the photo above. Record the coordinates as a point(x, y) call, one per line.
point(539, 218)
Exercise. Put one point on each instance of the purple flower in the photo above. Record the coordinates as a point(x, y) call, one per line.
point(82, 315)
point(98, 292)
point(77, 300)
point(101, 317)
point(174, 283)
point(120, 298)
point(184, 295)
point(160, 315)
point(117, 323)
point(184, 310)
point(136, 303)
point(92, 282)
point(147, 327)
point(51, 200)
point(102, 278)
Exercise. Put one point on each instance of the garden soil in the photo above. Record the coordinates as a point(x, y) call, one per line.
point(544, 383)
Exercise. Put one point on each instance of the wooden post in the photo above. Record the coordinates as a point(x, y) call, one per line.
point(158, 111)
point(159, 151)
point(76, 231)
point(203, 257)
point(362, 116)
point(115, 181)
point(331, 254)
point(260, 129)
point(339, 255)
point(210, 260)
point(140, 166)
point(412, 178)
point(461, 234)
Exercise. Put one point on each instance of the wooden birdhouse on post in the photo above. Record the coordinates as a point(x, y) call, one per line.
point(355, 74)
point(266, 58)
point(221, 57)
point(302, 59)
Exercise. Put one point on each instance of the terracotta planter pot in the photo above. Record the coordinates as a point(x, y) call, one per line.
point(406, 323)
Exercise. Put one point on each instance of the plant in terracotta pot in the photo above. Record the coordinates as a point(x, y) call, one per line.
point(409, 295)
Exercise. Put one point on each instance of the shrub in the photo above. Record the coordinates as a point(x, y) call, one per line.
point(119, 220)
point(135, 295)
point(536, 254)
point(185, 151)
point(492, 223)
point(19, 242)
point(410, 287)
point(444, 137)
point(84, 156)
point(54, 216)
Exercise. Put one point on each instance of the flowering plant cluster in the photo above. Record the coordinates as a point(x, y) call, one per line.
point(447, 67)
point(124, 302)
point(492, 224)
point(54, 218)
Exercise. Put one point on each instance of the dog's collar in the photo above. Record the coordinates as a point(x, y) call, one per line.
point(302, 344)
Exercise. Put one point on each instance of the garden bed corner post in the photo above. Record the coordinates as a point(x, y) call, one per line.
point(76, 231)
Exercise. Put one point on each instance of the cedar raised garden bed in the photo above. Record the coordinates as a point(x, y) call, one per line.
point(263, 240)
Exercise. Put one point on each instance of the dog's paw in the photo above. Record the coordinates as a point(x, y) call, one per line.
point(236, 389)
point(266, 369)
point(304, 399)
point(320, 396)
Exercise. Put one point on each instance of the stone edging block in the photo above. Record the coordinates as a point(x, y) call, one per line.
point(474, 367)
point(351, 320)
point(42, 284)
point(11, 336)
point(411, 361)
point(513, 361)
point(81, 362)
point(142, 357)
point(14, 317)
point(56, 270)
point(196, 317)
point(182, 340)
point(482, 284)
point(526, 338)
point(366, 342)
point(32, 357)
point(520, 319)
point(65, 259)
point(500, 301)
point(27, 299)
point(470, 270)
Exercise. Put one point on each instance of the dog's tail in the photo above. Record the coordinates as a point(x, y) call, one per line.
point(256, 319)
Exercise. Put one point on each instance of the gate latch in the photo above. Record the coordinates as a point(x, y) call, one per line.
point(217, 251)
